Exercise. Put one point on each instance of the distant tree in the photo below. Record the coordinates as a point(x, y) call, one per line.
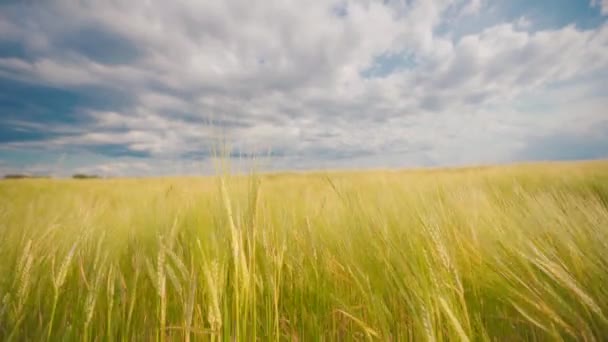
point(23, 176)
point(84, 176)
point(16, 176)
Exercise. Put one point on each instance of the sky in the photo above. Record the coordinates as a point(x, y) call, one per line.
point(145, 88)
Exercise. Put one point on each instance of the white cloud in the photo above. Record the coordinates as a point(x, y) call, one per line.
point(523, 23)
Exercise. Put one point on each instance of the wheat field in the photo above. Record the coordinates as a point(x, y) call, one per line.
point(475, 254)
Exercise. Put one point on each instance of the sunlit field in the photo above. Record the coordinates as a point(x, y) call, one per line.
point(496, 253)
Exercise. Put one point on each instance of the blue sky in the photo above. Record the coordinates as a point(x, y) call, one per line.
point(149, 88)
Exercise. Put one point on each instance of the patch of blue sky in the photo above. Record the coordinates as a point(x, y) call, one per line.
point(566, 146)
point(44, 104)
point(50, 162)
point(537, 15)
point(117, 150)
point(552, 14)
point(389, 63)
point(340, 9)
point(22, 158)
point(595, 83)
point(99, 45)
point(13, 49)
point(14, 133)
point(66, 157)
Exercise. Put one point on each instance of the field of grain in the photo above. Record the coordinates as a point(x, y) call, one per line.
point(498, 253)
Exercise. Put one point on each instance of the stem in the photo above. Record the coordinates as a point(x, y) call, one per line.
point(163, 304)
point(109, 325)
point(55, 299)
point(85, 336)
point(15, 328)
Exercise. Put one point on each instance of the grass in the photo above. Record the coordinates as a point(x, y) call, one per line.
point(499, 253)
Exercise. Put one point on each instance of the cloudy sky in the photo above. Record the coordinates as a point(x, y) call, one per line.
point(147, 87)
